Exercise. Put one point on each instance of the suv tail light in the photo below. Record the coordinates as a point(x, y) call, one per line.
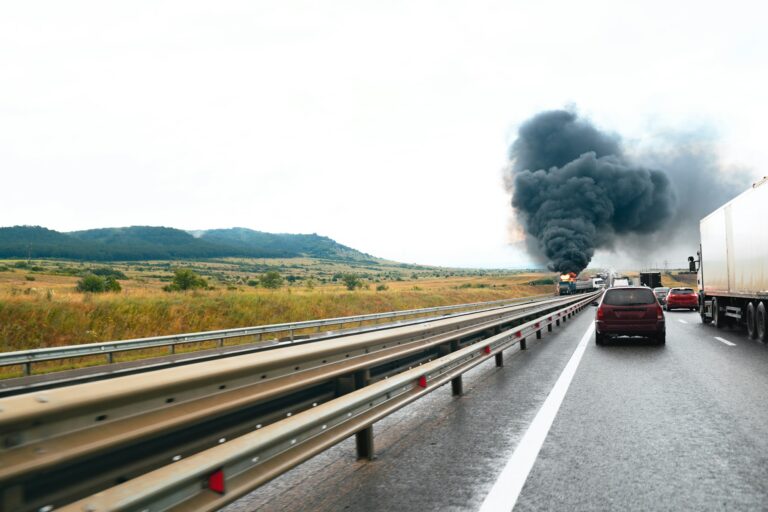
point(659, 312)
point(600, 313)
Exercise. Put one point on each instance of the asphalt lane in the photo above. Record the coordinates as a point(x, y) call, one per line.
point(644, 427)
point(641, 427)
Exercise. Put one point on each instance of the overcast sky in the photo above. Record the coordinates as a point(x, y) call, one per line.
point(384, 125)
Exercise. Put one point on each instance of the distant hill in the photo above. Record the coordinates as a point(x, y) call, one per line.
point(282, 244)
point(161, 243)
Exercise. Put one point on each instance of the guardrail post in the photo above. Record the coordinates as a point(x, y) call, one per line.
point(457, 386)
point(110, 358)
point(291, 334)
point(27, 369)
point(538, 334)
point(523, 344)
point(499, 359)
point(172, 348)
point(549, 327)
point(364, 438)
point(221, 342)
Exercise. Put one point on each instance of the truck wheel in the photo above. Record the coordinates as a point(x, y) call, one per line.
point(761, 322)
point(751, 324)
point(661, 339)
point(717, 319)
point(704, 318)
point(599, 339)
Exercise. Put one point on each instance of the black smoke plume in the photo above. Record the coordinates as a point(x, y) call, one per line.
point(575, 191)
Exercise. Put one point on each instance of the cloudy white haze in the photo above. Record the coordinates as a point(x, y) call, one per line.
point(384, 125)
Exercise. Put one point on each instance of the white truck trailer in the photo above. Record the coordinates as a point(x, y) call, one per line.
point(733, 263)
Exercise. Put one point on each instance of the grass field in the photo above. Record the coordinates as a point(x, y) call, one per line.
point(41, 308)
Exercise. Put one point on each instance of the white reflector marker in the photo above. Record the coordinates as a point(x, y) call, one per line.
point(723, 340)
point(506, 490)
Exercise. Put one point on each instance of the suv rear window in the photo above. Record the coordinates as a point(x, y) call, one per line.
point(682, 291)
point(633, 297)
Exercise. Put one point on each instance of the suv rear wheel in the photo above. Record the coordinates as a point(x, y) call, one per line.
point(599, 338)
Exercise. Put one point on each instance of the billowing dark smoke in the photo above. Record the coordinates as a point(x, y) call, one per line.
point(575, 191)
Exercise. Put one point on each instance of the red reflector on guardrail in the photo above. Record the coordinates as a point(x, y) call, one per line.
point(216, 481)
point(519, 334)
point(423, 381)
point(487, 349)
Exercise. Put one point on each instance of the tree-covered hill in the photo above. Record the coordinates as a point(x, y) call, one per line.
point(161, 243)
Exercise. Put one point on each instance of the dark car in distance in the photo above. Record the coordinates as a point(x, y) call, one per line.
point(661, 294)
point(682, 298)
point(629, 311)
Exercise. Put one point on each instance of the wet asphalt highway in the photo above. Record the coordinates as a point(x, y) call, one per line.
point(641, 427)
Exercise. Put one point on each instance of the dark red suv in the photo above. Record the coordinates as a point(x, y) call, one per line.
point(682, 298)
point(629, 311)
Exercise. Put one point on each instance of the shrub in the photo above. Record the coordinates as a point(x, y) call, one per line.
point(21, 264)
point(29, 278)
point(382, 287)
point(351, 281)
point(252, 282)
point(185, 279)
point(108, 272)
point(97, 284)
point(271, 280)
point(111, 284)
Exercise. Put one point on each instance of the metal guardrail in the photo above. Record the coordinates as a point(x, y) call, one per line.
point(90, 436)
point(26, 358)
point(212, 478)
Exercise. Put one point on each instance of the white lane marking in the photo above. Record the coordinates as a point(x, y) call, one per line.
point(681, 321)
point(506, 490)
point(723, 340)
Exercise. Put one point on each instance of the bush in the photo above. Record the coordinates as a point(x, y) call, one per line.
point(29, 278)
point(382, 287)
point(351, 281)
point(271, 280)
point(108, 272)
point(252, 282)
point(21, 264)
point(97, 284)
point(185, 279)
point(544, 281)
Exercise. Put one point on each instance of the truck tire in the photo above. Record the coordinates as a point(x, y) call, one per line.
point(717, 318)
point(704, 318)
point(761, 322)
point(750, 320)
point(599, 338)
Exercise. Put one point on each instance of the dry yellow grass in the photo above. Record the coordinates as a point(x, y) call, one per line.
point(33, 317)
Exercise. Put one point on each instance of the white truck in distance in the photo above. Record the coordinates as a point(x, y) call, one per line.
point(733, 263)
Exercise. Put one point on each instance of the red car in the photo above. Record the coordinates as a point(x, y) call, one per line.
point(682, 298)
point(629, 311)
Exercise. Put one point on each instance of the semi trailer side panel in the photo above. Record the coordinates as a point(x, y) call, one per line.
point(734, 246)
